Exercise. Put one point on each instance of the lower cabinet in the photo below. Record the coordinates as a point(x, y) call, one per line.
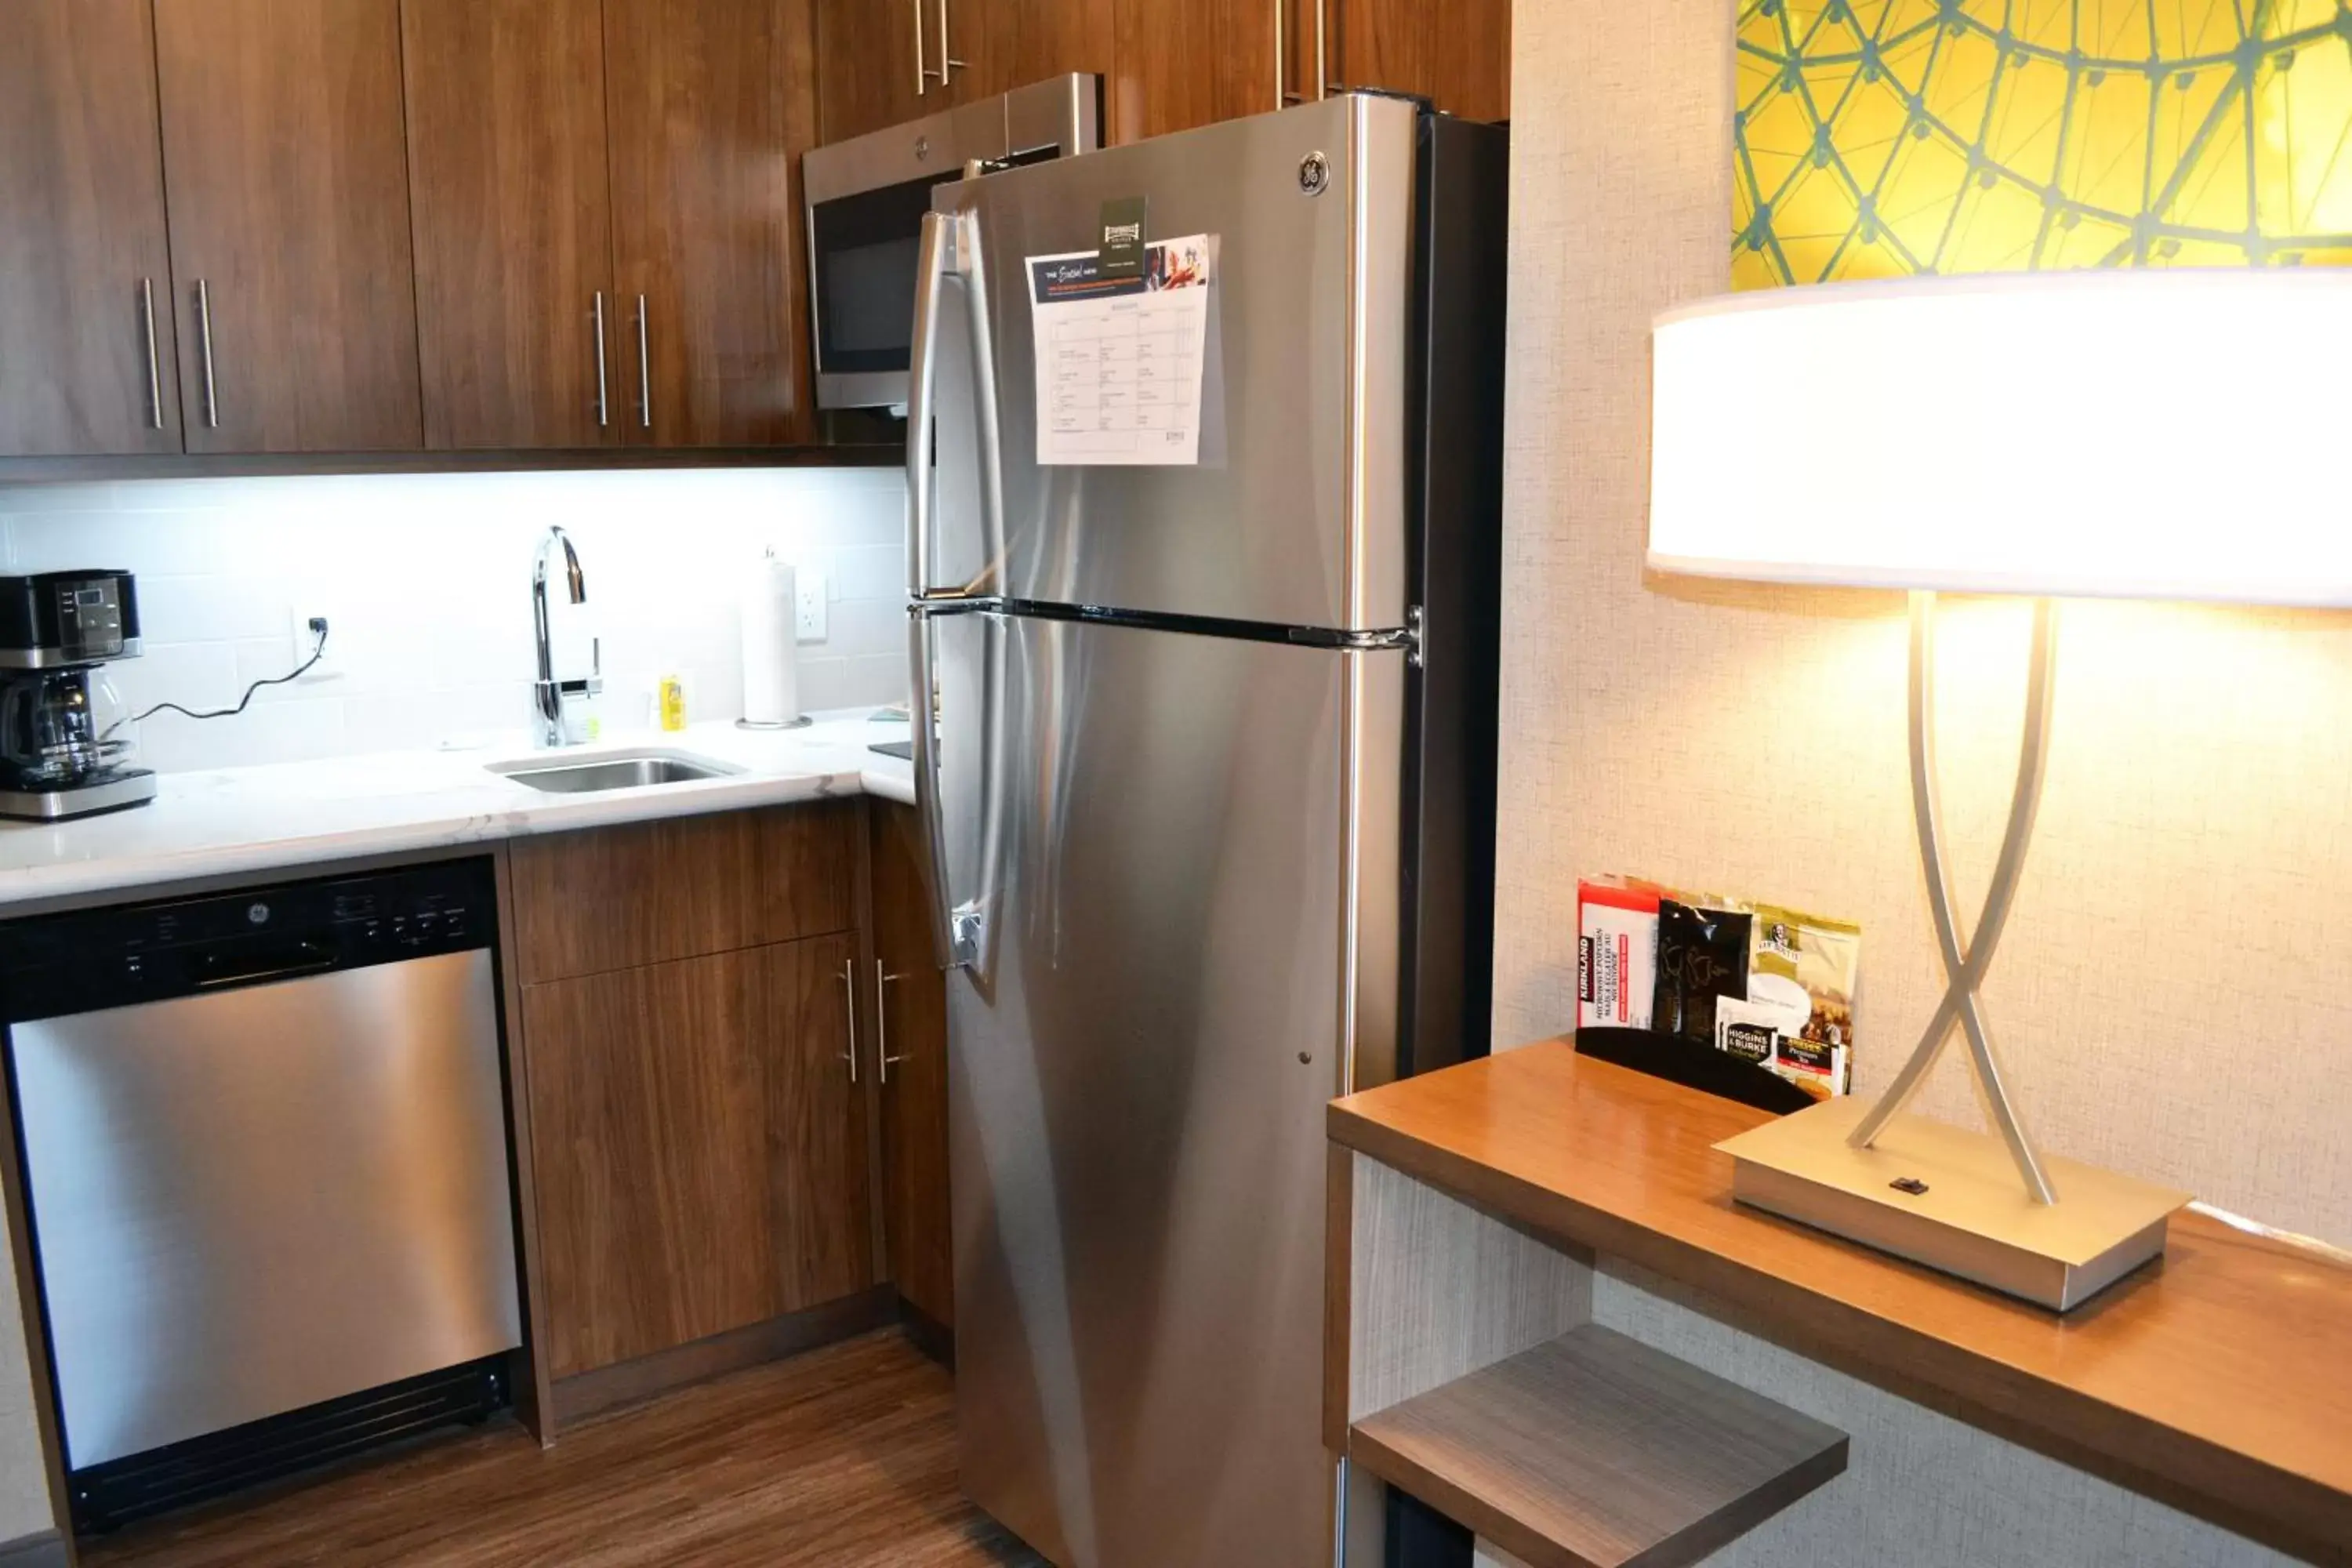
point(699, 1147)
point(913, 1010)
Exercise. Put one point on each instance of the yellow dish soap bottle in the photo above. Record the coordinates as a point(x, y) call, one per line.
point(671, 696)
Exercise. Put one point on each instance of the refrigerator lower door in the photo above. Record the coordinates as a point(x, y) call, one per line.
point(1296, 512)
point(1178, 926)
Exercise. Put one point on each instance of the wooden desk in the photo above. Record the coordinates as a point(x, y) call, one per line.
point(2218, 1380)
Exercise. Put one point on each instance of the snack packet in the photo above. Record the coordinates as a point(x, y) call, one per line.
point(1806, 960)
point(1616, 952)
point(1702, 958)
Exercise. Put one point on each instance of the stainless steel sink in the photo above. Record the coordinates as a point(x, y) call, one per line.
point(622, 770)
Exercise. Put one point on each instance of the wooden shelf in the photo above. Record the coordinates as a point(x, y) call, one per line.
point(2218, 1380)
point(1594, 1450)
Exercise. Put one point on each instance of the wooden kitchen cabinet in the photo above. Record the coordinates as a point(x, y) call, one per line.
point(1181, 66)
point(682, 886)
point(1198, 61)
point(690, 1003)
point(87, 366)
point(869, 72)
point(912, 1034)
point(999, 45)
point(606, 212)
point(1458, 56)
point(287, 182)
point(518, 329)
point(699, 1149)
point(710, 103)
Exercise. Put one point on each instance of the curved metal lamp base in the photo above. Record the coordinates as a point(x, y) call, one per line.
point(1967, 960)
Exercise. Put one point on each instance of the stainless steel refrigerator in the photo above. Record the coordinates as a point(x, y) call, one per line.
point(1210, 799)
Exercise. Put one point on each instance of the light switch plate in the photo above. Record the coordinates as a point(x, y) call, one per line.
point(808, 608)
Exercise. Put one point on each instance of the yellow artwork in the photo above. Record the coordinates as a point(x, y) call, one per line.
point(1876, 138)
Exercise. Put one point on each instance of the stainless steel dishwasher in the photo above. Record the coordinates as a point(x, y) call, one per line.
point(264, 1145)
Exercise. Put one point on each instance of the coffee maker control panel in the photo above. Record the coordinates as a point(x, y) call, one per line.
point(68, 617)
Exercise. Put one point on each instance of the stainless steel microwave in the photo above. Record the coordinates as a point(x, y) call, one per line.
point(866, 198)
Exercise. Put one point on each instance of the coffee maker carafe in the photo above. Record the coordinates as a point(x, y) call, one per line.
point(60, 753)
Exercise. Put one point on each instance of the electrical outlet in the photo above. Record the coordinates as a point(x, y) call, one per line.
point(808, 606)
point(301, 641)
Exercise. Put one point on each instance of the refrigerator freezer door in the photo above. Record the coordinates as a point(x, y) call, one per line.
point(1296, 514)
point(1137, 1086)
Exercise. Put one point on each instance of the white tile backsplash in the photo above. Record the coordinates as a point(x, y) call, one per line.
point(426, 579)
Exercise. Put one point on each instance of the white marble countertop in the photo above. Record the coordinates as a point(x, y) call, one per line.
point(232, 821)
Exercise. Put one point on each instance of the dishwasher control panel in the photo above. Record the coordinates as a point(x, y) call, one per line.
point(91, 959)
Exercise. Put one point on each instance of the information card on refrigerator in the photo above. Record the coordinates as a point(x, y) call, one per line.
point(1119, 361)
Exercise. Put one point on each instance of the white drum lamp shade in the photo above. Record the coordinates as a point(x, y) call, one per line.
point(2171, 434)
point(2175, 435)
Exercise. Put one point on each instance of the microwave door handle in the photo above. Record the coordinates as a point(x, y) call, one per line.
point(922, 372)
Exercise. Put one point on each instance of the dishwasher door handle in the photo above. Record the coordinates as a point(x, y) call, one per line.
point(215, 970)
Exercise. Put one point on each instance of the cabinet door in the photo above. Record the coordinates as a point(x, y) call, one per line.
point(876, 65)
point(911, 1048)
point(287, 177)
point(1458, 56)
point(519, 330)
point(699, 1152)
point(713, 102)
point(86, 360)
point(1181, 66)
point(995, 45)
point(818, 1124)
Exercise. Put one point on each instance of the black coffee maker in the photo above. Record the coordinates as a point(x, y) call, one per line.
point(60, 753)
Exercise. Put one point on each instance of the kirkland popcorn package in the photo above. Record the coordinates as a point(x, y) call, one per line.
point(1616, 952)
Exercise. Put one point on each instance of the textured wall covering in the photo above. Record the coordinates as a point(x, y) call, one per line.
point(2171, 994)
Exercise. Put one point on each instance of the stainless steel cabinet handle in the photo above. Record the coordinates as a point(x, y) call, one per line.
point(603, 405)
point(948, 62)
point(154, 363)
point(1282, 93)
point(882, 1018)
point(1322, 62)
point(204, 343)
point(849, 1006)
point(922, 72)
point(644, 372)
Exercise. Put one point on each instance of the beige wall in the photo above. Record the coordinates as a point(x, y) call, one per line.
point(2172, 993)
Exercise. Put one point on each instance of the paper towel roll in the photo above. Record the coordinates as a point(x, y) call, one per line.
point(772, 676)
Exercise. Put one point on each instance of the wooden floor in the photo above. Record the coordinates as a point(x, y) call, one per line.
point(844, 1457)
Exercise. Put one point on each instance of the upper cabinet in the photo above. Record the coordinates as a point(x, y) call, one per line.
point(519, 327)
point(288, 187)
point(994, 46)
point(876, 65)
point(711, 102)
point(605, 193)
point(1167, 65)
point(1181, 66)
point(86, 361)
point(1196, 61)
point(1456, 56)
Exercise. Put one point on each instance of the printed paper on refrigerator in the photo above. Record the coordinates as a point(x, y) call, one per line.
point(1119, 362)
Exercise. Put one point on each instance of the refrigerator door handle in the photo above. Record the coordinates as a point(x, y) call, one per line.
point(922, 372)
point(948, 948)
point(949, 247)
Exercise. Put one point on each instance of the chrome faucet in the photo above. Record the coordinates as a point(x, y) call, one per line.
point(546, 692)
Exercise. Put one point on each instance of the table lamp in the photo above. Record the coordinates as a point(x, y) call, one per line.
point(2172, 435)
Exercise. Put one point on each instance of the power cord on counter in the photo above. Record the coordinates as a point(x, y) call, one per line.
point(318, 624)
